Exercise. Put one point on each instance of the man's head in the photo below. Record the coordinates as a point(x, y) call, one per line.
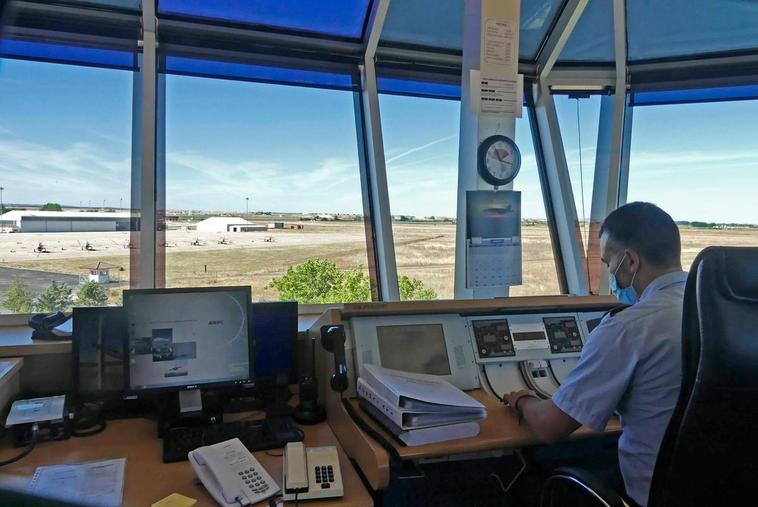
point(638, 243)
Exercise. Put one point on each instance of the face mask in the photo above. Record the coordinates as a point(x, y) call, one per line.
point(628, 295)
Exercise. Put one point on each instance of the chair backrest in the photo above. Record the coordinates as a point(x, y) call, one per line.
point(709, 453)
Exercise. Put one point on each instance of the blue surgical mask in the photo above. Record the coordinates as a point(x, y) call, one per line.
point(627, 295)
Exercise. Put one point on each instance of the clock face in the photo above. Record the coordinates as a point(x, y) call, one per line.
point(499, 160)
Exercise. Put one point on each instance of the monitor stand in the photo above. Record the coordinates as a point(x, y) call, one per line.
point(187, 409)
point(190, 403)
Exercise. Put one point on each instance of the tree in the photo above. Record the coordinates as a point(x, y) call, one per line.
point(412, 289)
point(321, 281)
point(355, 287)
point(92, 294)
point(57, 297)
point(19, 299)
point(51, 206)
point(314, 281)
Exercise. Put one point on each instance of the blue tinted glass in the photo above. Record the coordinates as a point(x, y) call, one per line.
point(697, 95)
point(243, 71)
point(592, 38)
point(411, 22)
point(689, 27)
point(418, 88)
point(67, 54)
point(439, 24)
point(343, 18)
point(537, 17)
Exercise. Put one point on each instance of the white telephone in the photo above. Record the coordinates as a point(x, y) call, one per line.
point(312, 472)
point(231, 474)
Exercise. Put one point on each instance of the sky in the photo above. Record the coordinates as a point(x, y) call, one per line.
point(65, 136)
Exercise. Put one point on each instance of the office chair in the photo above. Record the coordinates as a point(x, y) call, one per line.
point(709, 453)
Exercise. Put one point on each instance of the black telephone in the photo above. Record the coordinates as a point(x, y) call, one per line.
point(44, 323)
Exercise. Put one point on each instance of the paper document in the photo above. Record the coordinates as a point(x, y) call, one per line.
point(499, 42)
point(98, 483)
point(495, 95)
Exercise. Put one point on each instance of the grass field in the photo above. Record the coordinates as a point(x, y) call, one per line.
point(424, 251)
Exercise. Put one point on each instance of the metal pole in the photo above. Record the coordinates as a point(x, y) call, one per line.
point(374, 149)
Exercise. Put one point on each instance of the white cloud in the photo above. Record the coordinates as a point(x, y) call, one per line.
point(424, 146)
point(35, 173)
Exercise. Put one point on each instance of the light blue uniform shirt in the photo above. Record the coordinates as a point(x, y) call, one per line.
point(632, 363)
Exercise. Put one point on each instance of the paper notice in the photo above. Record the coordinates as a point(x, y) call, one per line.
point(496, 96)
point(499, 42)
point(493, 262)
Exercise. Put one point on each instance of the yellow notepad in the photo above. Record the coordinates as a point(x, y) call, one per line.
point(175, 500)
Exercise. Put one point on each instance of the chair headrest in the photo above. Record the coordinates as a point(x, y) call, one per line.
point(738, 269)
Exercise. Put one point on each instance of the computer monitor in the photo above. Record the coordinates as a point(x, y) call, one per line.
point(275, 334)
point(185, 339)
point(99, 352)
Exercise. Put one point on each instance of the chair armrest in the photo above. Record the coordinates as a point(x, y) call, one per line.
point(594, 489)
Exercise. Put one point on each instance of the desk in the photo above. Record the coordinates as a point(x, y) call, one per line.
point(500, 430)
point(148, 479)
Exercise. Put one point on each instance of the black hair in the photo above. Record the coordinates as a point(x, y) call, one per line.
point(647, 229)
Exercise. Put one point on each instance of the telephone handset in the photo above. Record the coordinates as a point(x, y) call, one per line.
point(231, 474)
point(312, 472)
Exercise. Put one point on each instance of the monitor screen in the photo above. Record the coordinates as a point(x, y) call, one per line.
point(99, 349)
point(186, 338)
point(416, 348)
point(275, 333)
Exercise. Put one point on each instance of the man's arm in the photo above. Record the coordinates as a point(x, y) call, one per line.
point(548, 422)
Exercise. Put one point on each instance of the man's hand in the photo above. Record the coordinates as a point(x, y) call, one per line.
point(549, 423)
point(512, 398)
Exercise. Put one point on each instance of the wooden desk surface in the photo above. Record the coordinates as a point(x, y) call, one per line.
point(148, 479)
point(501, 430)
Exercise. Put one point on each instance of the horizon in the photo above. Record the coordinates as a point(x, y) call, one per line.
point(27, 207)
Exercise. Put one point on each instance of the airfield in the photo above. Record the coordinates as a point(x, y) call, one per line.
point(424, 250)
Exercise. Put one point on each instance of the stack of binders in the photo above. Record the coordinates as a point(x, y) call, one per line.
point(418, 409)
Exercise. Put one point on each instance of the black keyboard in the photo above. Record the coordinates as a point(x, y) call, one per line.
point(271, 433)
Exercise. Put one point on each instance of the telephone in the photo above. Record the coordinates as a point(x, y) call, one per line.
point(312, 472)
point(231, 474)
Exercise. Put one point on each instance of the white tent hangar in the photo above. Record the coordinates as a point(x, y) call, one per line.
point(228, 224)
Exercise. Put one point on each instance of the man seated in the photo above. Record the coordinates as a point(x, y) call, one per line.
point(631, 362)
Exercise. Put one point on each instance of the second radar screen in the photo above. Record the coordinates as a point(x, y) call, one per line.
point(563, 334)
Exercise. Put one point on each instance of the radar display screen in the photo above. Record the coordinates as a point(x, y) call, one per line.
point(563, 334)
point(493, 338)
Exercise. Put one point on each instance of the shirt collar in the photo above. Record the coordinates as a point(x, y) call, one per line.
point(664, 282)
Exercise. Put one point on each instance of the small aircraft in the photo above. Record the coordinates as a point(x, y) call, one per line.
point(41, 248)
point(224, 241)
point(87, 246)
point(197, 242)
